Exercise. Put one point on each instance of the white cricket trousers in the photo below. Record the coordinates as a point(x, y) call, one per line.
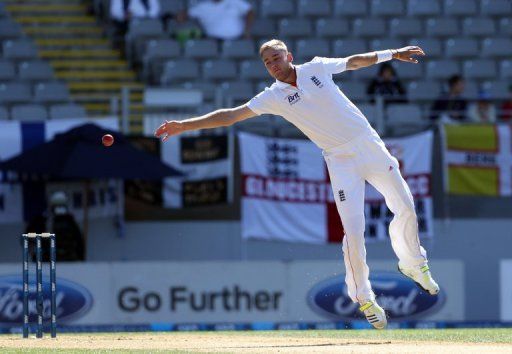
point(350, 165)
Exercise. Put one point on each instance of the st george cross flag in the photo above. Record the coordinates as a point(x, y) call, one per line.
point(286, 193)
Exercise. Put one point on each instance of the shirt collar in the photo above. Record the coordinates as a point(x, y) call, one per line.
point(284, 85)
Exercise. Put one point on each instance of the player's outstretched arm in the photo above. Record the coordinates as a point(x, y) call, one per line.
point(218, 118)
point(406, 54)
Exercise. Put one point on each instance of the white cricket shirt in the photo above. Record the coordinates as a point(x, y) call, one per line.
point(316, 106)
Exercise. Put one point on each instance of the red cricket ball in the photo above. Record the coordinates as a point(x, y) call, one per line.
point(107, 139)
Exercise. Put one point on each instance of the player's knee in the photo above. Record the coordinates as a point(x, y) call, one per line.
point(407, 211)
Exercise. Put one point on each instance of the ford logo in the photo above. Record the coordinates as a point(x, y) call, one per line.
point(400, 297)
point(73, 300)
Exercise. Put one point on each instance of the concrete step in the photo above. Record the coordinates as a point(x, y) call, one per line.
point(80, 53)
point(63, 31)
point(73, 42)
point(46, 8)
point(77, 87)
point(82, 19)
point(98, 64)
point(95, 75)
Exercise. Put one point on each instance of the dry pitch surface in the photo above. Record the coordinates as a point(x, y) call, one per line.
point(390, 341)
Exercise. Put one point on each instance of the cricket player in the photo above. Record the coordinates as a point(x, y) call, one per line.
point(306, 96)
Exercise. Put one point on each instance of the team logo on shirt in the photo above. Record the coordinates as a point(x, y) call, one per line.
point(292, 99)
point(317, 82)
point(341, 194)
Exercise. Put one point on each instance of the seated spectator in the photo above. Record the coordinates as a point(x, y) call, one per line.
point(482, 111)
point(123, 11)
point(222, 19)
point(506, 107)
point(451, 106)
point(388, 85)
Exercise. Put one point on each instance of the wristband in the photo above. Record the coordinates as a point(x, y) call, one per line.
point(384, 55)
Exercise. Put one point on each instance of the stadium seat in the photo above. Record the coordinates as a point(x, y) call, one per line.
point(314, 8)
point(423, 8)
point(460, 7)
point(47, 92)
point(309, 48)
point(171, 7)
point(206, 87)
point(423, 90)
point(201, 48)
point(179, 70)
point(9, 29)
point(4, 113)
point(238, 49)
point(408, 72)
point(369, 27)
point(497, 89)
point(474, 26)
point(219, 69)
point(253, 70)
point(506, 27)
point(404, 114)
point(145, 27)
point(470, 89)
point(367, 73)
point(69, 110)
point(15, 92)
point(237, 91)
point(496, 47)
point(442, 69)
point(387, 8)
point(19, 49)
point(346, 47)
point(332, 27)
point(281, 8)
point(370, 112)
point(496, 7)
point(264, 28)
point(480, 69)
point(405, 27)
point(29, 112)
point(506, 69)
point(442, 27)
point(431, 46)
point(350, 8)
point(35, 71)
point(461, 47)
point(157, 52)
point(354, 90)
point(387, 43)
point(293, 28)
point(7, 71)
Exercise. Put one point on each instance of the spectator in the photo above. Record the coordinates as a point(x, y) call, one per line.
point(388, 85)
point(222, 19)
point(482, 111)
point(506, 107)
point(451, 106)
point(123, 11)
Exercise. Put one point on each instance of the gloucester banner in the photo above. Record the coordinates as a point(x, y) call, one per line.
point(286, 194)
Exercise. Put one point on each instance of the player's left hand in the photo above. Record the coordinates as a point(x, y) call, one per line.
point(407, 53)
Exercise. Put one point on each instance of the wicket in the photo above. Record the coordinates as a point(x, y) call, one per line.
point(39, 286)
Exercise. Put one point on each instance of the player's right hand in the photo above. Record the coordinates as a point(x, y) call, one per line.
point(168, 129)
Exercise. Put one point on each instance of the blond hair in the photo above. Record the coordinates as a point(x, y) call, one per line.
point(274, 44)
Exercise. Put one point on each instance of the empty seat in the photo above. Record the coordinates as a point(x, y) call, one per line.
point(423, 90)
point(309, 48)
point(506, 69)
point(220, 69)
point(350, 8)
point(179, 70)
point(19, 49)
point(354, 90)
point(162, 49)
point(431, 46)
point(332, 27)
point(460, 7)
point(475, 26)
point(497, 89)
point(442, 69)
point(171, 7)
point(51, 92)
point(346, 47)
point(367, 73)
point(29, 112)
point(207, 88)
point(9, 29)
point(314, 8)
point(388, 43)
point(506, 27)
point(461, 47)
point(387, 7)
point(479, 69)
point(145, 27)
point(7, 70)
point(423, 8)
point(369, 27)
point(405, 27)
point(470, 89)
point(236, 91)
point(496, 7)
point(442, 27)
point(370, 112)
point(201, 48)
point(406, 71)
point(497, 47)
point(253, 70)
point(4, 113)
point(238, 49)
point(35, 71)
point(69, 110)
point(264, 28)
point(277, 8)
point(15, 92)
point(400, 114)
point(297, 27)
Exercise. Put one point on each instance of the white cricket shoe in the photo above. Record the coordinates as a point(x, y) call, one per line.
point(374, 314)
point(422, 277)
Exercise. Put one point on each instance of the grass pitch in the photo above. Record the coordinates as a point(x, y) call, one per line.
point(325, 341)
